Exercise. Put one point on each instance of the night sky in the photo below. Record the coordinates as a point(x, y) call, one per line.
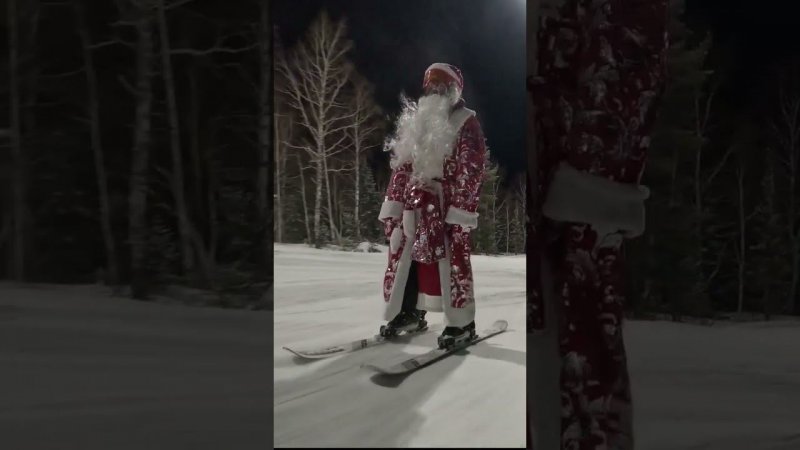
point(394, 42)
point(755, 38)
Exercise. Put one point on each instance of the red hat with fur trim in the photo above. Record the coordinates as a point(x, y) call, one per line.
point(443, 73)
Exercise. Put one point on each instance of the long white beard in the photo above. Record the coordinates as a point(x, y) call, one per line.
point(424, 135)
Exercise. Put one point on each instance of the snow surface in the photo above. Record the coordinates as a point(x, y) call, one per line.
point(80, 370)
point(724, 387)
point(85, 371)
point(472, 399)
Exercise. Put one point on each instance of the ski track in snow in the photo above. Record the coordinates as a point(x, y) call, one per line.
point(475, 398)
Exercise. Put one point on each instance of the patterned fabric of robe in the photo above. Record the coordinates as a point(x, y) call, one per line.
point(460, 186)
point(601, 69)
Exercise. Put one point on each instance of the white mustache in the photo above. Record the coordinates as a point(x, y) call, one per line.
point(424, 135)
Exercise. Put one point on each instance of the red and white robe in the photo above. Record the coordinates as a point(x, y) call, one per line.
point(432, 226)
point(600, 71)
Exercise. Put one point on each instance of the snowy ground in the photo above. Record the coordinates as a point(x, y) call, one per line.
point(80, 370)
point(724, 387)
point(473, 399)
point(83, 371)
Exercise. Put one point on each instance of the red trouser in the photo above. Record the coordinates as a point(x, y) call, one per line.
point(428, 278)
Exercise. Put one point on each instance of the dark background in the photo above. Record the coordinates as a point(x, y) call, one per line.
point(83, 364)
point(747, 55)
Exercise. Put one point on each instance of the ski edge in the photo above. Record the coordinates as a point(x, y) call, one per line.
point(350, 347)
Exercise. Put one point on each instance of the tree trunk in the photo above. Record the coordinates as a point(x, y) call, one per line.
point(508, 229)
point(742, 237)
point(698, 191)
point(305, 202)
point(279, 175)
point(18, 187)
point(194, 137)
point(318, 200)
point(357, 143)
point(793, 238)
point(175, 144)
point(140, 154)
point(281, 158)
point(494, 218)
point(339, 201)
point(93, 109)
point(333, 230)
point(265, 132)
point(213, 213)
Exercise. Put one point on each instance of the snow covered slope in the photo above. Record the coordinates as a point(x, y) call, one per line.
point(473, 399)
point(82, 371)
point(724, 387)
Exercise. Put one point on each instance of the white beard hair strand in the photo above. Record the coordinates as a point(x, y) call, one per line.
point(424, 135)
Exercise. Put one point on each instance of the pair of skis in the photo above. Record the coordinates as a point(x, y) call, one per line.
point(409, 365)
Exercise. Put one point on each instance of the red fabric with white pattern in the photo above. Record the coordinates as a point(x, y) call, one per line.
point(462, 180)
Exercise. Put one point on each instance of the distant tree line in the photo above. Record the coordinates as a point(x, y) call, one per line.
point(138, 144)
point(723, 226)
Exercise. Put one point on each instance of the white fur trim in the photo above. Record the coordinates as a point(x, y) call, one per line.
point(458, 216)
point(395, 239)
point(431, 303)
point(581, 197)
point(460, 116)
point(409, 223)
point(458, 317)
point(445, 68)
point(395, 303)
point(391, 208)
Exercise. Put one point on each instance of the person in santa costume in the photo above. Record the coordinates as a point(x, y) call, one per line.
point(598, 74)
point(438, 164)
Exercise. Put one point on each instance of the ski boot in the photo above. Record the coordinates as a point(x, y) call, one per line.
point(405, 321)
point(455, 336)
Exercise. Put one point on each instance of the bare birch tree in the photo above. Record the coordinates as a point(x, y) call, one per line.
point(145, 58)
point(364, 125)
point(177, 177)
point(316, 72)
point(93, 111)
point(307, 220)
point(741, 256)
point(283, 130)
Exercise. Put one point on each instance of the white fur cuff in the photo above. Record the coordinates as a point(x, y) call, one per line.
point(391, 208)
point(581, 197)
point(458, 216)
point(409, 223)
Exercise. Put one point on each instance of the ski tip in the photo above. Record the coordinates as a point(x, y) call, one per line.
point(291, 351)
point(301, 354)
